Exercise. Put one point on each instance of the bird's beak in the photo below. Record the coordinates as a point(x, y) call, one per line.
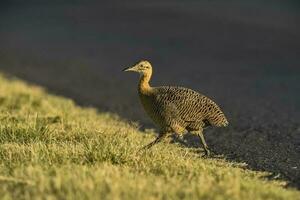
point(130, 69)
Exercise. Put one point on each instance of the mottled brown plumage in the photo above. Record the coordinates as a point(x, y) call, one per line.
point(176, 109)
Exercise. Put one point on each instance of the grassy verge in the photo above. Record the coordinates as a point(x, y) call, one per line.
point(51, 148)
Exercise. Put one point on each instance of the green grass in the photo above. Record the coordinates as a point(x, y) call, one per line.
point(52, 149)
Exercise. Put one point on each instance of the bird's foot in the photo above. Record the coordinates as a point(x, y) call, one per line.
point(144, 148)
point(207, 153)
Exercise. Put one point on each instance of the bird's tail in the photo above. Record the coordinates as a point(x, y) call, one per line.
point(219, 120)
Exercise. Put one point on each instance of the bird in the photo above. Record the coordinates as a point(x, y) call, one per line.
point(176, 109)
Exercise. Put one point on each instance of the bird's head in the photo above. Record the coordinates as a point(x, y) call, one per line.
point(143, 67)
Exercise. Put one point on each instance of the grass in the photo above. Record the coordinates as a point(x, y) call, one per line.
point(52, 149)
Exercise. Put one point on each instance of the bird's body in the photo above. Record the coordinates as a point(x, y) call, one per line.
point(180, 108)
point(176, 109)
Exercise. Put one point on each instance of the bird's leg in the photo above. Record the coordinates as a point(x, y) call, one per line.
point(157, 140)
point(201, 136)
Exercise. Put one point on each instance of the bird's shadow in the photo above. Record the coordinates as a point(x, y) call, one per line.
point(246, 147)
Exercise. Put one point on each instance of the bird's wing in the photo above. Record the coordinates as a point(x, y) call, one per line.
point(185, 101)
point(182, 96)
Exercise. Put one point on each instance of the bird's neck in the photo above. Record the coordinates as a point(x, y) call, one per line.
point(144, 86)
